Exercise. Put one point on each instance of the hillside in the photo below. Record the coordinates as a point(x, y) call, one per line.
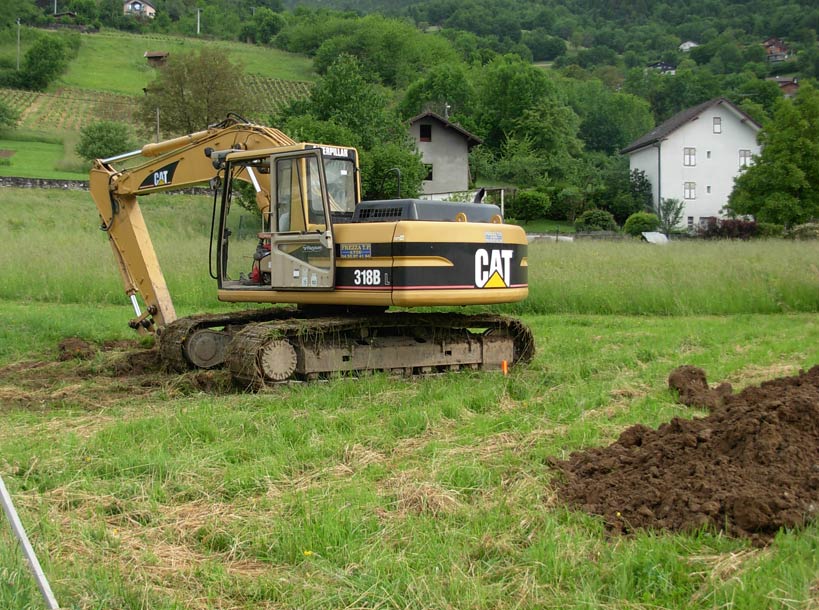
point(105, 81)
point(114, 61)
point(71, 108)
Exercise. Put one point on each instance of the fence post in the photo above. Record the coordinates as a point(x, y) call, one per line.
point(18, 530)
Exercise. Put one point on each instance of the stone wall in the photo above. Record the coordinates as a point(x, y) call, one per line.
point(79, 185)
point(44, 183)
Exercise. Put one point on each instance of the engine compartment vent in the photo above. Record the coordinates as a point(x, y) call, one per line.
point(393, 210)
point(371, 214)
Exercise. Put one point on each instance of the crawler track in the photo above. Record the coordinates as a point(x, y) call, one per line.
point(273, 345)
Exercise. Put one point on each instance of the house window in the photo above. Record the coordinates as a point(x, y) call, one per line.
point(708, 189)
point(707, 154)
point(690, 190)
point(717, 124)
point(429, 171)
point(744, 158)
point(426, 133)
point(690, 222)
point(689, 156)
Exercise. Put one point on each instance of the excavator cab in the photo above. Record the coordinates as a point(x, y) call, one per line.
point(296, 250)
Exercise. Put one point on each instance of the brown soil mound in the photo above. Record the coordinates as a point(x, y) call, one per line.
point(750, 468)
point(73, 347)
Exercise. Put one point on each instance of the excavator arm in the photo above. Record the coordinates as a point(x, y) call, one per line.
point(172, 164)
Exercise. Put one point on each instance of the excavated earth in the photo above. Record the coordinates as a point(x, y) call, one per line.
point(748, 469)
point(93, 376)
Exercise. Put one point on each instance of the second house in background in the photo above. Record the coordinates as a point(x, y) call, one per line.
point(695, 155)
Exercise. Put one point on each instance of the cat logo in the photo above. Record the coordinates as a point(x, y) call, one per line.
point(493, 268)
point(161, 177)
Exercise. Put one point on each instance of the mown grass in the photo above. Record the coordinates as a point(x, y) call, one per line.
point(38, 159)
point(115, 62)
point(374, 492)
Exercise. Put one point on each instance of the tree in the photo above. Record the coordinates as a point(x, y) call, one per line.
point(8, 117)
point(42, 63)
point(609, 120)
point(266, 25)
point(551, 126)
point(670, 213)
point(640, 189)
point(104, 139)
point(782, 186)
point(194, 90)
point(378, 181)
point(543, 46)
point(507, 88)
point(442, 84)
point(345, 97)
point(391, 51)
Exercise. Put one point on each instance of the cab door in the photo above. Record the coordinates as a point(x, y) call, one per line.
point(302, 251)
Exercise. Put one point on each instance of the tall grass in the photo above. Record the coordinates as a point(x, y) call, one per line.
point(53, 251)
point(681, 278)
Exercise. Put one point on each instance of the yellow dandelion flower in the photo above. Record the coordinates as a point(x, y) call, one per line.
point(307, 553)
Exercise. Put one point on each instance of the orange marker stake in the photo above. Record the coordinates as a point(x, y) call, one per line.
point(505, 367)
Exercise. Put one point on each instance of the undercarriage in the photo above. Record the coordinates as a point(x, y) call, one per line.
point(266, 346)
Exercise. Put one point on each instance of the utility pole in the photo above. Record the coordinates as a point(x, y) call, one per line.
point(198, 13)
point(55, 7)
point(18, 44)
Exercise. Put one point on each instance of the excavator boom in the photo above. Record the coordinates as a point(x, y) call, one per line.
point(172, 164)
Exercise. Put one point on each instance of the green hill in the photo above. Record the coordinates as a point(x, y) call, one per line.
point(105, 81)
point(115, 62)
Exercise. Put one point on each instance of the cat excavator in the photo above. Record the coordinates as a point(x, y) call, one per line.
point(341, 261)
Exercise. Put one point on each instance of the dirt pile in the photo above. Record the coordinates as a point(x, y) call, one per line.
point(749, 468)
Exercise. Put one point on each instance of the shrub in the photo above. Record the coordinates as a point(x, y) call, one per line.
point(528, 205)
point(8, 118)
point(595, 220)
point(808, 230)
point(728, 228)
point(639, 222)
point(769, 229)
point(104, 139)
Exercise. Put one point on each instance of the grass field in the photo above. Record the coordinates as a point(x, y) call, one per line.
point(37, 159)
point(144, 491)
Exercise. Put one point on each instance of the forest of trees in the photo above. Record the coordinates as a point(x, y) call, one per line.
point(554, 128)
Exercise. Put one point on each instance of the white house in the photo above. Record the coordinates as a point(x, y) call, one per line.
point(444, 148)
point(687, 46)
point(695, 155)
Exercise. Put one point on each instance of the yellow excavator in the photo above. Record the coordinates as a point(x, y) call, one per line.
point(341, 261)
